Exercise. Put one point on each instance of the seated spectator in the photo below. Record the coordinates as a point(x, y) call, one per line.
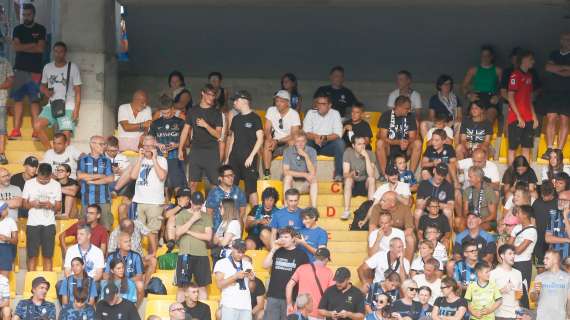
point(433, 235)
point(134, 120)
point(343, 300)
point(480, 199)
point(519, 170)
point(176, 311)
point(389, 287)
point(134, 268)
point(228, 230)
point(137, 231)
point(92, 256)
point(379, 239)
point(36, 307)
point(406, 306)
point(99, 235)
point(359, 171)
point(69, 191)
point(304, 306)
point(257, 296)
point(8, 240)
point(404, 83)
point(10, 194)
point(79, 309)
point(398, 134)
point(194, 308)
point(323, 126)
point(61, 83)
point(426, 251)
point(225, 190)
point(404, 174)
point(117, 275)
point(464, 272)
point(562, 182)
point(445, 102)
point(290, 84)
point(521, 196)
point(429, 277)
point(62, 153)
point(482, 295)
point(479, 159)
point(77, 282)
point(475, 132)
point(450, 304)
point(555, 166)
point(435, 218)
point(31, 164)
point(258, 220)
point(423, 297)
point(440, 153)
point(543, 208)
point(393, 183)
point(6, 82)
point(357, 126)
point(437, 187)
point(312, 237)
point(440, 123)
point(300, 168)
point(484, 241)
point(341, 97)
point(113, 306)
point(382, 311)
point(382, 261)
point(556, 234)
point(509, 280)
point(288, 216)
point(281, 125)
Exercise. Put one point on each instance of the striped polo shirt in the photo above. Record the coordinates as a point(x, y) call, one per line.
point(92, 193)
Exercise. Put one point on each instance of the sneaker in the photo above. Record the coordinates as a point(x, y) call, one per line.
point(35, 137)
point(546, 154)
point(170, 245)
point(337, 179)
point(266, 174)
point(15, 134)
point(3, 159)
point(345, 215)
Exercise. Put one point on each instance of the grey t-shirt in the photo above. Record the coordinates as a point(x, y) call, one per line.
point(295, 161)
point(8, 193)
point(554, 292)
point(357, 163)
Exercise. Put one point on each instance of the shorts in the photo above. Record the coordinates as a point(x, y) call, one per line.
point(40, 236)
point(30, 89)
point(127, 190)
point(302, 185)
point(248, 175)
point(176, 178)
point(3, 122)
point(359, 188)
point(228, 313)
point(106, 219)
point(189, 266)
point(555, 102)
point(150, 215)
point(485, 101)
point(204, 161)
point(523, 137)
point(255, 237)
point(64, 123)
point(7, 252)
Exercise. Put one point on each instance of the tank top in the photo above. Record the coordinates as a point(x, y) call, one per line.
point(177, 98)
point(485, 80)
point(221, 100)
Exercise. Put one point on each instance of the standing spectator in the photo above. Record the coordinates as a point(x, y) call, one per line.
point(283, 260)
point(300, 167)
point(556, 233)
point(340, 96)
point(484, 241)
point(484, 296)
point(407, 307)
point(382, 261)
point(99, 235)
point(95, 174)
point(475, 132)
point(195, 309)
point(357, 126)
point(225, 190)
point(551, 289)
point(523, 238)
point(228, 230)
point(288, 216)
point(134, 120)
point(480, 199)
point(430, 278)
point(510, 282)
point(136, 229)
point(91, 255)
point(6, 82)
point(543, 208)
point(42, 197)
point(450, 305)
point(113, 306)
point(31, 164)
point(69, 191)
point(134, 268)
point(244, 142)
point(179, 94)
point(62, 153)
point(389, 287)
point(257, 296)
point(464, 272)
point(282, 124)
point(257, 223)
point(204, 125)
point(61, 83)
point(324, 131)
point(312, 237)
point(77, 281)
point(79, 309)
point(342, 301)
point(234, 278)
point(359, 171)
point(439, 188)
point(10, 194)
point(127, 287)
point(8, 240)
point(29, 41)
point(215, 78)
point(36, 307)
point(290, 84)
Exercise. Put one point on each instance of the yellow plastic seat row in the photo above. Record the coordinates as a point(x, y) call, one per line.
point(542, 146)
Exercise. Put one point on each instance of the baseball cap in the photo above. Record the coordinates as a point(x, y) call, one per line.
point(341, 274)
point(239, 245)
point(391, 171)
point(110, 291)
point(442, 169)
point(323, 253)
point(39, 280)
point(283, 94)
point(32, 161)
point(197, 198)
point(185, 192)
point(242, 94)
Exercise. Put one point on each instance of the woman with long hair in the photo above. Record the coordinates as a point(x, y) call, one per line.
point(77, 284)
point(79, 309)
point(221, 104)
point(555, 165)
point(289, 82)
point(450, 306)
point(228, 230)
point(179, 93)
point(519, 170)
point(127, 287)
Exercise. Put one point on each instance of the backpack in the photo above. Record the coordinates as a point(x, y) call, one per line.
point(168, 261)
point(155, 286)
point(359, 215)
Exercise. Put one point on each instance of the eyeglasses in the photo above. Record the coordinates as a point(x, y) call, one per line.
point(444, 287)
point(413, 289)
point(178, 309)
point(209, 93)
point(229, 175)
point(471, 251)
point(281, 123)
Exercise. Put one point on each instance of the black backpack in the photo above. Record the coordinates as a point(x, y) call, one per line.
point(359, 215)
point(155, 286)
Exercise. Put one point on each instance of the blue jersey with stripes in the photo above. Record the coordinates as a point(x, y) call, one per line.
point(94, 193)
point(557, 228)
point(464, 273)
point(132, 261)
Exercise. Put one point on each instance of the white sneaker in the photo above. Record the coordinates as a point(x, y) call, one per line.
point(345, 215)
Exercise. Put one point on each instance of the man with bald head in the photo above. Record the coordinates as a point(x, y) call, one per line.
point(10, 194)
point(479, 159)
point(177, 311)
point(95, 174)
point(551, 289)
point(556, 234)
point(134, 120)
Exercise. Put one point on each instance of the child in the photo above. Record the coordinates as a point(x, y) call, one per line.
point(357, 126)
point(434, 217)
point(433, 234)
point(6, 80)
point(404, 174)
point(441, 123)
point(483, 296)
point(312, 237)
point(464, 270)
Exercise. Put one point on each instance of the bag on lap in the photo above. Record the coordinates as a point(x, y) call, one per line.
point(359, 215)
point(58, 105)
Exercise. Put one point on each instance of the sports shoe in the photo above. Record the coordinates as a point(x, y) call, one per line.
point(3, 159)
point(266, 174)
point(170, 245)
point(546, 154)
point(15, 134)
point(35, 137)
point(345, 215)
point(337, 179)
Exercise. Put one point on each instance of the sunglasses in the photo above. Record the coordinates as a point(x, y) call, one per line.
point(281, 123)
point(413, 289)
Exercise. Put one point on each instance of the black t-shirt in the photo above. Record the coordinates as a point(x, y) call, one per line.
point(285, 262)
point(475, 132)
point(244, 128)
point(444, 193)
point(201, 138)
point(398, 127)
point(511, 177)
point(27, 61)
point(167, 131)
point(437, 105)
point(125, 310)
point(449, 309)
point(335, 300)
point(554, 82)
point(259, 291)
point(440, 222)
point(70, 182)
point(543, 210)
point(200, 311)
point(536, 82)
point(341, 98)
point(446, 154)
point(361, 129)
point(413, 311)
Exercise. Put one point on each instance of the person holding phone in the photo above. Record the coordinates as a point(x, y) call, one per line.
point(300, 167)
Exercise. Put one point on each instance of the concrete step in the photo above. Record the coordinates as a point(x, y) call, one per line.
point(334, 224)
point(348, 258)
point(24, 144)
point(14, 167)
point(347, 247)
point(330, 200)
point(18, 156)
point(348, 236)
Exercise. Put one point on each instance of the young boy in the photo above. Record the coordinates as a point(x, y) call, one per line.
point(432, 234)
point(357, 126)
point(441, 152)
point(6, 81)
point(441, 122)
point(483, 296)
point(464, 271)
point(405, 175)
point(312, 237)
point(434, 217)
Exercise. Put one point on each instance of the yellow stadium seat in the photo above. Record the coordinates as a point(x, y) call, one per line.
point(372, 118)
point(257, 257)
point(213, 290)
point(213, 307)
point(262, 275)
point(201, 187)
point(12, 282)
point(167, 278)
point(261, 113)
point(158, 308)
point(115, 204)
point(62, 225)
point(50, 276)
point(151, 296)
point(277, 184)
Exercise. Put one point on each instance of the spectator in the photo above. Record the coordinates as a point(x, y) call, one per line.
point(551, 289)
point(450, 305)
point(464, 272)
point(434, 218)
point(432, 234)
point(536, 82)
point(222, 94)
point(117, 275)
point(555, 166)
point(99, 235)
point(475, 132)
point(31, 164)
point(29, 41)
point(288, 216)
point(407, 307)
point(312, 237)
point(383, 310)
point(439, 188)
point(231, 273)
point(10, 194)
point(283, 260)
point(312, 279)
point(484, 241)
point(134, 267)
point(114, 305)
point(519, 170)
point(195, 309)
point(404, 84)
point(204, 125)
point(359, 171)
point(389, 287)
point(445, 102)
point(480, 199)
point(150, 173)
point(8, 240)
point(61, 83)
point(281, 125)
point(244, 142)
point(404, 174)
point(479, 159)
point(441, 153)
point(300, 167)
point(6, 82)
point(340, 96)
point(228, 230)
point(483, 296)
point(77, 282)
point(430, 278)
point(95, 174)
point(257, 296)
point(136, 229)
point(382, 261)
point(304, 304)
point(398, 134)
point(179, 94)
point(69, 191)
point(379, 239)
point(193, 232)
point(441, 123)
point(134, 120)
point(543, 208)
point(42, 197)
point(342, 301)
point(523, 238)
point(36, 307)
point(510, 282)
point(259, 218)
point(424, 296)
point(79, 309)
point(324, 131)
point(225, 190)
point(119, 161)
point(221, 104)
point(426, 250)
point(91, 255)
point(357, 126)
point(176, 311)
point(394, 184)
point(290, 84)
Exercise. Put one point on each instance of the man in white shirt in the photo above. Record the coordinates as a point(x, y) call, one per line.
point(324, 131)
point(282, 122)
point(134, 120)
point(42, 197)
point(61, 82)
point(383, 261)
point(479, 159)
point(430, 278)
point(523, 238)
point(404, 83)
point(402, 189)
point(92, 256)
point(509, 281)
point(379, 239)
point(150, 173)
point(62, 153)
point(10, 194)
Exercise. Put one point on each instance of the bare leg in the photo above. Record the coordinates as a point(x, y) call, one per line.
point(424, 128)
point(526, 154)
point(491, 115)
point(410, 245)
point(253, 199)
point(265, 237)
point(267, 154)
point(18, 114)
point(287, 183)
point(40, 127)
point(31, 263)
point(2, 144)
point(382, 151)
point(511, 156)
point(34, 112)
point(48, 265)
point(140, 291)
point(460, 151)
point(202, 293)
point(551, 119)
point(6, 313)
point(313, 191)
point(371, 187)
point(194, 185)
point(348, 183)
point(71, 207)
point(152, 243)
point(563, 133)
point(416, 152)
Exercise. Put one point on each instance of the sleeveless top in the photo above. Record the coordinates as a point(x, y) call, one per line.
point(221, 100)
point(179, 94)
point(485, 80)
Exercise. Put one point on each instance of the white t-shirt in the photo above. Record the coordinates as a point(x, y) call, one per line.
point(528, 234)
point(70, 156)
point(385, 242)
point(7, 226)
point(402, 189)
point(34, 191)
point(234, 228)
point(379, 262)
point(93, 258)
point(8, 193)
point(291, 119)
point(448, 132)
point(121, 160)
point(435, 287)
point(502, 278)
point(418, 264)
point(323, 125)
point(126, 114)
point(148, 188)
point(55, 78)
point(491, 170)
point(544, 174)
point(232, 296)
point(440, 253)
point(415, 97)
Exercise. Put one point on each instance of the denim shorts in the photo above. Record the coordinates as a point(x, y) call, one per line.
point(29, 89)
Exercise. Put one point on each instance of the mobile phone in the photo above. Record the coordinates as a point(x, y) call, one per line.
point(248, 270)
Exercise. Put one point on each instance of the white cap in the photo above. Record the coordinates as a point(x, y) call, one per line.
point(283, 94)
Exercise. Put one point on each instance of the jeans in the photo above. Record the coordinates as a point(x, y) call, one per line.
point(235, 314)
point(334, 149)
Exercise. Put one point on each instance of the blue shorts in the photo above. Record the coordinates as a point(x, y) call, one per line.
point(30, 89)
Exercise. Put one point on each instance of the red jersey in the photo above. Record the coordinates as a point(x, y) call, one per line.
point(521, 84)
point(99, 234)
